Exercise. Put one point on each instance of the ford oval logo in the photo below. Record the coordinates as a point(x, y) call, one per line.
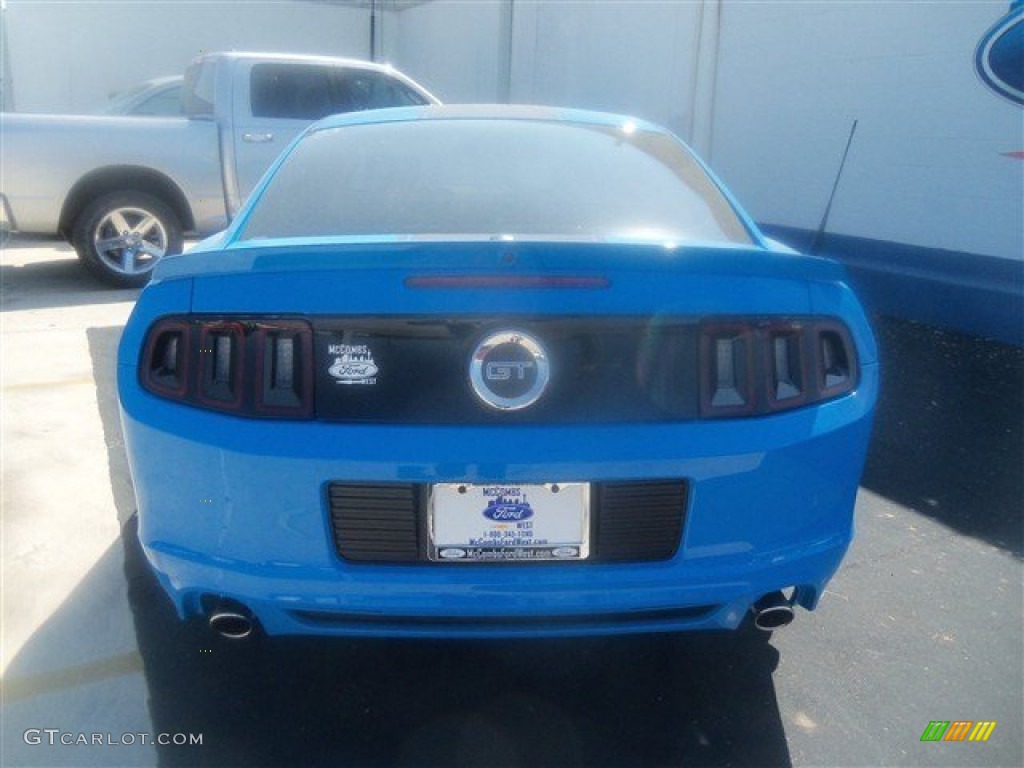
point(999, 59)
point(353, 371)
point(353, 364)
point(508, 511)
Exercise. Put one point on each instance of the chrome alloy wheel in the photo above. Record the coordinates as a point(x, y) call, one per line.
point(130, 241)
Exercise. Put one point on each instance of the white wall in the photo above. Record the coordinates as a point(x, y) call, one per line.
point(767, 92)
point(926, 166)
point(69, 56)
point(453, 47)
point(626, 56)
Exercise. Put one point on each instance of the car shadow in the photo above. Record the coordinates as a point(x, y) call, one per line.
point(60, 281)
point(36, 242)
point(949, 433)
point(707, 699)
point(947, 443)
point(78, 671)
point(103, 354)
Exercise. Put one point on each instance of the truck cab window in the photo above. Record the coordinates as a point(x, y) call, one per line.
point(357, 90)
point(290, 91)
point(310, 92)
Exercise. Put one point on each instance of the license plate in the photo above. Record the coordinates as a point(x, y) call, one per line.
point(509, 523)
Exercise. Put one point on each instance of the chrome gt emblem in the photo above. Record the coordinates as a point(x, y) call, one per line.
point(509, 370)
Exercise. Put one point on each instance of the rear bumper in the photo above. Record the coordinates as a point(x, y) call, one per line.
point(237, 509)
point(538, 601)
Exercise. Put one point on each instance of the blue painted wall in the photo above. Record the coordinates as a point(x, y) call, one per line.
point(970, 292)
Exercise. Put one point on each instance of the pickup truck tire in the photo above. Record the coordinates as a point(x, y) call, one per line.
point(121, 236)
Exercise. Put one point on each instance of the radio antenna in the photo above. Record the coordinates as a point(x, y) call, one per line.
point(819, 236)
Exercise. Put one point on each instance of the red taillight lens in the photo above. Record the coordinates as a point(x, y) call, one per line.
point(757, 366)
point(248, 367)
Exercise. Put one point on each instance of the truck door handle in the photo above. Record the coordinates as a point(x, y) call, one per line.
point(257, 138)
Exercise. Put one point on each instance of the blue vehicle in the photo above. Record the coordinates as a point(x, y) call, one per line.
point(420, 311)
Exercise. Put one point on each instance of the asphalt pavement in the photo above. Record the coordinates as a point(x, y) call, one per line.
point(924, 621)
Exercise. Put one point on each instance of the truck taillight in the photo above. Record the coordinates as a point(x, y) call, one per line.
point(755, 366)
point(251, 367)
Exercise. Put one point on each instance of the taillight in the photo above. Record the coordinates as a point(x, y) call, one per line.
point(728, 364)
point(836, 362)
point(284, 381)
point(787, 367)
point(165, 359)
point(221, 367)
point(757, 366)
point(244, 366)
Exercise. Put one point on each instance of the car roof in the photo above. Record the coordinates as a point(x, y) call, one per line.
point(297, 58)
point(485, 112)
point(154, 82)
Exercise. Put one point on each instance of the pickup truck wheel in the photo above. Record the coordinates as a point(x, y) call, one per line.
point(121, 236)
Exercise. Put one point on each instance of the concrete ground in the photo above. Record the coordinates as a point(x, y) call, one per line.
point(923, 621)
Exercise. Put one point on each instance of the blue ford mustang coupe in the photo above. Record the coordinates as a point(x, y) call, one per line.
point(480, 371)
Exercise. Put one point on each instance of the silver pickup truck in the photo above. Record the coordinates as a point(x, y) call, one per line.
point(124, 191)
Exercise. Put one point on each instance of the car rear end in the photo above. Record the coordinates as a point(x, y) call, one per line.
point(503, 435)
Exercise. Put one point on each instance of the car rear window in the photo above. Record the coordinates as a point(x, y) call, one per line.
point(487, 178)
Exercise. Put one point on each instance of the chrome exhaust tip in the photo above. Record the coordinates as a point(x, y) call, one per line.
point(231, 624)
point(773, 611)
